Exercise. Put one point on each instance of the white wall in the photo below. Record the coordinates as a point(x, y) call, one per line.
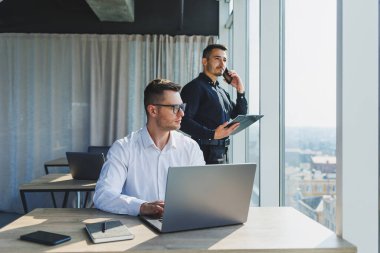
point(240, 64)
point(357, 128)
point(270, 102)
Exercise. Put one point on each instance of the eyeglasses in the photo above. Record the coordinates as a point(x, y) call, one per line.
point(174, 107)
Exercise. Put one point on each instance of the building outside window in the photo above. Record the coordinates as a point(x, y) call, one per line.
point(309, 50)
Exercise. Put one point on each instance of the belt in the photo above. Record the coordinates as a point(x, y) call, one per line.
point(224, 143)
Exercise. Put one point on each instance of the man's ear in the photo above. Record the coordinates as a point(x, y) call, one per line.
point(152, 110)
point(204, 61)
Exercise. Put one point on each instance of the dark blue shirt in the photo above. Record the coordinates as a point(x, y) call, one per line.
point(208, 106)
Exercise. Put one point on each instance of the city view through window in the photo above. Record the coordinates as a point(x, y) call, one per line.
point(310, 108)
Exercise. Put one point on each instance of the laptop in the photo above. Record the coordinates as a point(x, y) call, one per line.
point(85, 166)
point(205, 196)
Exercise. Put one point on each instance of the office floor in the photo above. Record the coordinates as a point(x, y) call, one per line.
point(6, 218)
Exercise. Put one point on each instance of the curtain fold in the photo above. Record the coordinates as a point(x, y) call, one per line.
point(65, 92)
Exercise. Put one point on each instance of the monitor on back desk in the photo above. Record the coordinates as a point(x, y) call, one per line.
point(85, 166)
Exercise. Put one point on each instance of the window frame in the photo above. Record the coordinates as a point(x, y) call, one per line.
point(357, 62)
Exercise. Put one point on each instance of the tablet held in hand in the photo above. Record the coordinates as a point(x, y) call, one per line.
point(245, 121)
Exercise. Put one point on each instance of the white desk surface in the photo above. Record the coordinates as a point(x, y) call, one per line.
point(268, 229)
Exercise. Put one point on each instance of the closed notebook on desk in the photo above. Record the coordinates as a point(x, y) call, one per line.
point(44, 237)
point(114, 231)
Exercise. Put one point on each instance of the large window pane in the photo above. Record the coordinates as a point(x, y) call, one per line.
point(310, 108)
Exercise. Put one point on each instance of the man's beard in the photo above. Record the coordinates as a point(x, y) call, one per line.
point(215, 71)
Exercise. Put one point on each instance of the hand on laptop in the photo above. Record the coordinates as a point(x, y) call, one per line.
point(155, 208)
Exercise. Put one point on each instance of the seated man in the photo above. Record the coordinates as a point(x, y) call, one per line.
point(133, 179)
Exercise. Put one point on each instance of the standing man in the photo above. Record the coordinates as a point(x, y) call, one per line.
point(133, 179)
point(209, 107)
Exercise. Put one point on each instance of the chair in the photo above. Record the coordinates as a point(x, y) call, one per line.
point(98, 149)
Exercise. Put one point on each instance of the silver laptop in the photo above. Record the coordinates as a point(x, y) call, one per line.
point(85, 166)
point(205, 196)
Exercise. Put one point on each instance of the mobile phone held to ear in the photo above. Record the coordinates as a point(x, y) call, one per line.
point(226, 76)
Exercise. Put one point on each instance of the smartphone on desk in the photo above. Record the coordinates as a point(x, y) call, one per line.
point(227, 76)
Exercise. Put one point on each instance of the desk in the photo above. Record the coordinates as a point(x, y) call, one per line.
point(56, 183)
point(59, 162)
point(268, 229)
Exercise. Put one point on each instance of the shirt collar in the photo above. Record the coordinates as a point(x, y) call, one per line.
point(171, 143)
point(208, 79)
point(148, 141)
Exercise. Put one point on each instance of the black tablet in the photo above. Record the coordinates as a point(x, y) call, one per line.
point(46, 238)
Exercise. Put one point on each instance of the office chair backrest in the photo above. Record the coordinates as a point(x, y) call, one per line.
point(98, 150)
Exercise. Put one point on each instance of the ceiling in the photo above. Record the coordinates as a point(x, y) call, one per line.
point(113, 10)
point(171, 17)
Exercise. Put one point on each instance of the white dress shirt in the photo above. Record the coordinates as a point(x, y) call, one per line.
point(136, 170)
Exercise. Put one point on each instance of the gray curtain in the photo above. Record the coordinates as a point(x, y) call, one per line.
point(64, 92)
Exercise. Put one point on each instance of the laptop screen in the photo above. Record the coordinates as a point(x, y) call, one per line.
point(207, 196)
point(85, 166)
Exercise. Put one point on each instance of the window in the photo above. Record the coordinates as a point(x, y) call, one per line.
point(310, 108)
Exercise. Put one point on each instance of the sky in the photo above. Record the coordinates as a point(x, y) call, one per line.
point(310, 63)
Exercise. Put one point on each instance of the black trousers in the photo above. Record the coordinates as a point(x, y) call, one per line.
point(214, 154)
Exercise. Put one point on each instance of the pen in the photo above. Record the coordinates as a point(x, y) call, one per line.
point(104, 227)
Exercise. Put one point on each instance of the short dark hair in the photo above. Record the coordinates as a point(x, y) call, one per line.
point(155, 89)
point(209, 48)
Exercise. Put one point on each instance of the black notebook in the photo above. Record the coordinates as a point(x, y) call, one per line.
point(45, 237)
point(108, 231)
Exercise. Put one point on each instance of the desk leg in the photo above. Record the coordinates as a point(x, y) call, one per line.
point(78, 199)
point(53, 198)
point(23, 200)
point(51, 193)
point(85, 200)
point(64, 203)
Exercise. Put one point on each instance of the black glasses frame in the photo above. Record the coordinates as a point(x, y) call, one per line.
point(175, 107)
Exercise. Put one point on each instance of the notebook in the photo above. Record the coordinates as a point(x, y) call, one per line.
point(44, 237)
point(205, 196)
point(108, 231)
point(85, 166)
